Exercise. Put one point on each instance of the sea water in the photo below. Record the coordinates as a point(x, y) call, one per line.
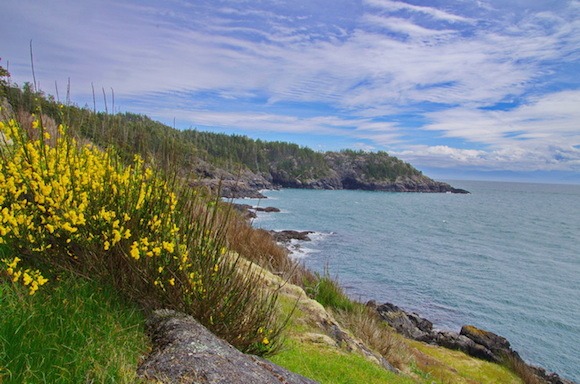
point(505, 258)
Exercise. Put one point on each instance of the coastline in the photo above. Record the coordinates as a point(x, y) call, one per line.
point(492, 347)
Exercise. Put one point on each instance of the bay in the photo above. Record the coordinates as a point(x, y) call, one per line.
point(505, 258)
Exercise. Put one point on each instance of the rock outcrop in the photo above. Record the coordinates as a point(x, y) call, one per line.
point(184, 351)
point(287, 236)
point(342, 170)
point(249, 212)
point(471, 340)
point(267, 209)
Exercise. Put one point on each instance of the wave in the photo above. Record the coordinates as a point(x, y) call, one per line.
point(301, 249)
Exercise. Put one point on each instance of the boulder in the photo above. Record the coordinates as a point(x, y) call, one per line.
point(495, 343)
point(287, 235)
point(184, 351)
point(407, 324)
point(267, 209)
point(453, 340)
point(471, 340)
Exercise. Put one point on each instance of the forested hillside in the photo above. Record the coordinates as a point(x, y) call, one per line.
point(238, 164)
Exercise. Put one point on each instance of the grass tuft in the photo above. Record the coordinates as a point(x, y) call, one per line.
point(365, 323)
point(328, 292)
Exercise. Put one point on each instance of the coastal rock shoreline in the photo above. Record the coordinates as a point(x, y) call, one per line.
point(248, 184)
point(241, 189)
point(473, 341)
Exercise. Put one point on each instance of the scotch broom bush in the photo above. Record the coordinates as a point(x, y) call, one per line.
point(66, 206)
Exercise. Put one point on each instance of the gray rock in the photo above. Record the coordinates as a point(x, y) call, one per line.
point(287, 235)
point(184, 351)
point(495, 343)
point(471, 340)
point(453, 340)
point(408, 324)
point(267, 209)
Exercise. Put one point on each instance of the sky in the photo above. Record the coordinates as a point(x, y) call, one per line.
point(461, 89)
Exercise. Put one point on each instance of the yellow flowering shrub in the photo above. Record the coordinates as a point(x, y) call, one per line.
point(57, 198)
point(73, 206)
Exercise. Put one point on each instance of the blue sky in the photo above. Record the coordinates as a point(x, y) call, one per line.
point(459, 88)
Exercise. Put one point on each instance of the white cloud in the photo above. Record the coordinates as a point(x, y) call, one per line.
point(400, 25)
point(439, 65)
point(541, 135)
point(389, 5)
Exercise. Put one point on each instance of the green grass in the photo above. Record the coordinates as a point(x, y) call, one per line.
point(72, 331)
point(329, 365)
point(456, 367)
point(329, 293)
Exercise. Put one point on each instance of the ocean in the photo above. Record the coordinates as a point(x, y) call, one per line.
point(505, 258)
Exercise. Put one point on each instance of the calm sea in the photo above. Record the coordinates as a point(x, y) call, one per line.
point(505, 258)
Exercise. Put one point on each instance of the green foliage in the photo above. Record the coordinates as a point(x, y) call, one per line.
point(73, 331)
point(4, 75)
point(234, 152)
point(328, 292)
point(450, 366)
point(378, 165)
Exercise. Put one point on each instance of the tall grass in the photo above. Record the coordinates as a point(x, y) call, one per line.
point(520, 368)
point(67, 206)
point(73, 331)
point(365, 323)
point(328, 292)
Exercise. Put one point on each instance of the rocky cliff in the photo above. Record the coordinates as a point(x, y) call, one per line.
point(343, 170)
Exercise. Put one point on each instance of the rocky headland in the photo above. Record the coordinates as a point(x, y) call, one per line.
point(350, 170)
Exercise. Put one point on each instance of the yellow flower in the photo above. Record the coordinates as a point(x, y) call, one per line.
point(14, 262)
point(265, 341)
point(171, 281)
point(27, 279)
point(116, 236)
point(68, 227)
point(169, 247)
point(134, 252)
